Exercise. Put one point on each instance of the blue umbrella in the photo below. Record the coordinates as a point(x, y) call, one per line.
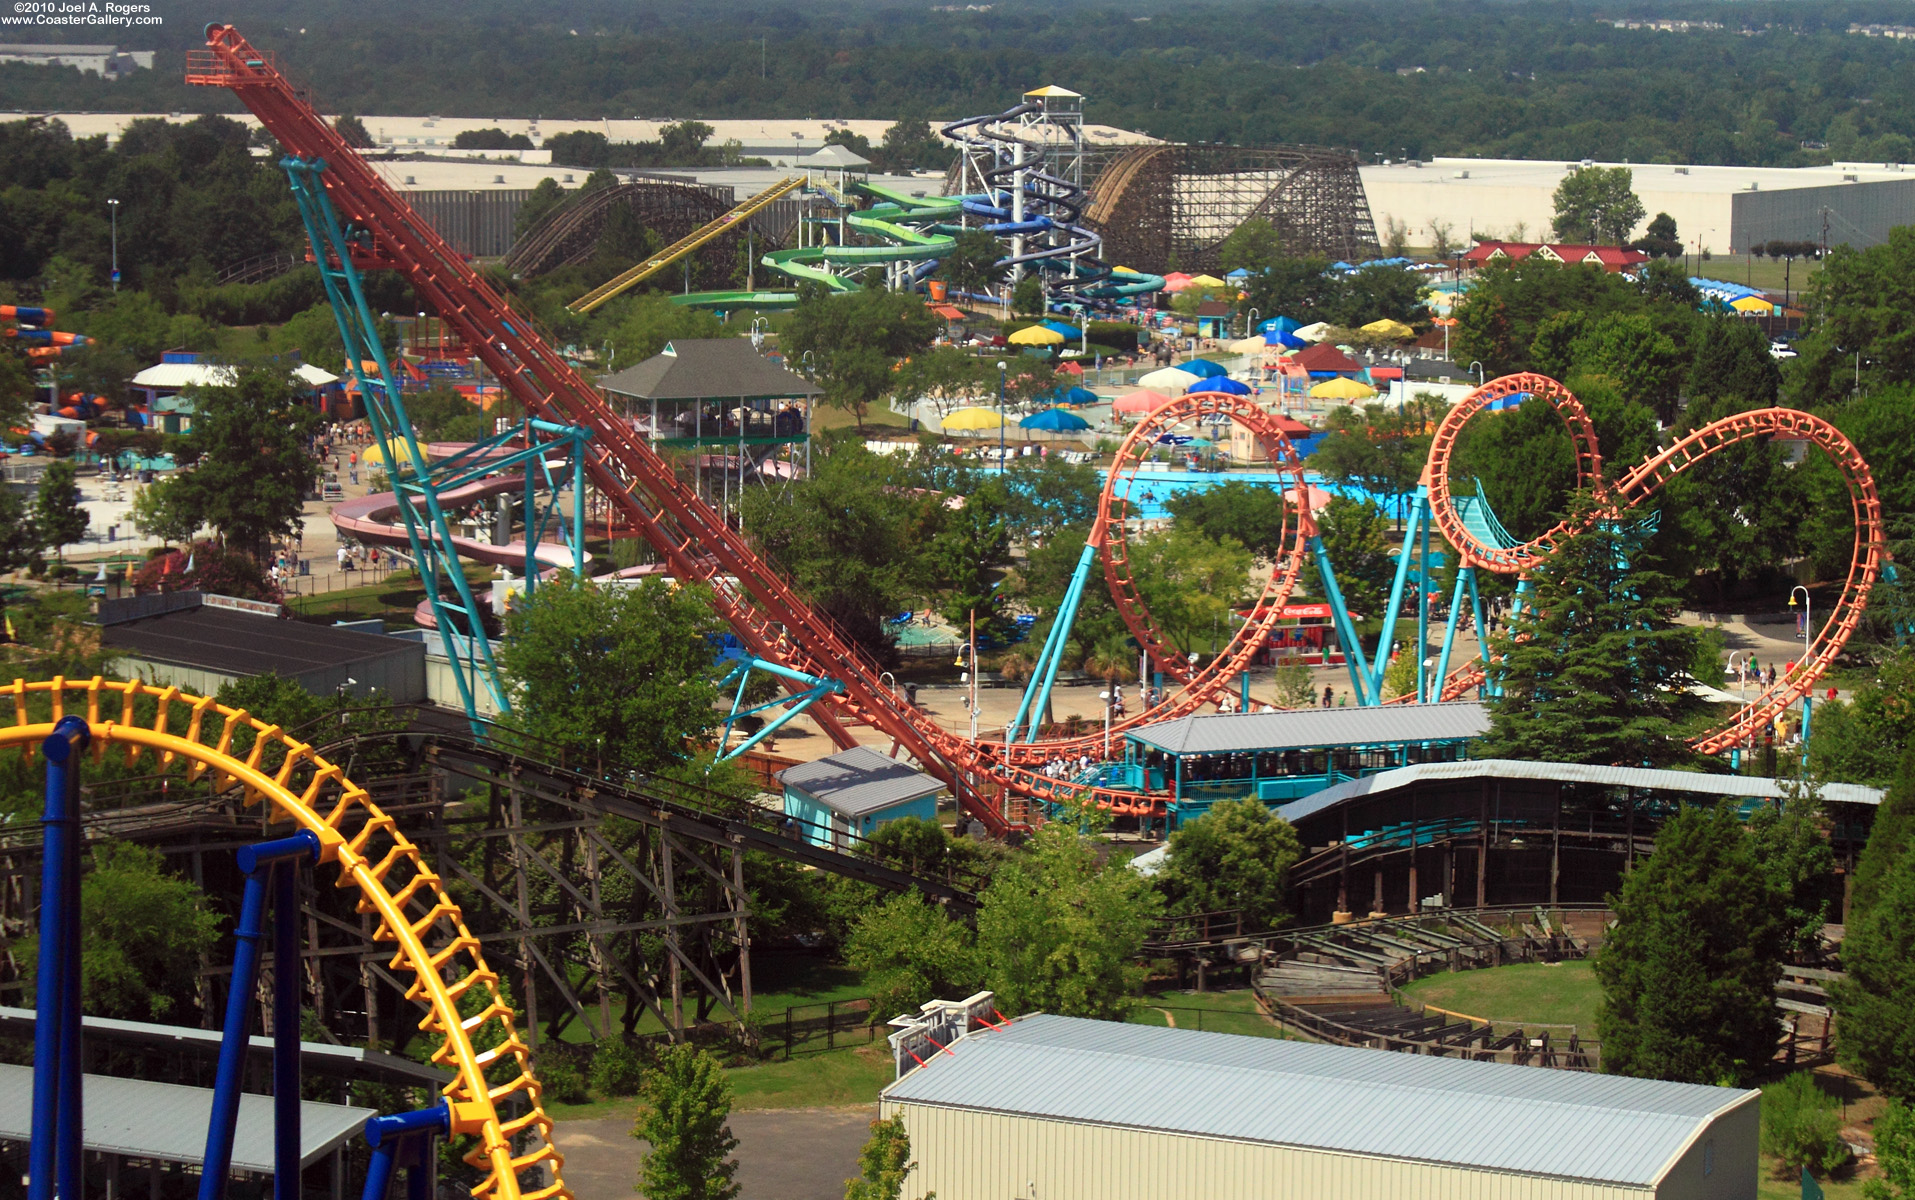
point(1056, 419)
point(1284, 338)
point(1279, 325)
point(1074, 395)
point(1203, 368)
point(1221, 383)
point(1068, 332)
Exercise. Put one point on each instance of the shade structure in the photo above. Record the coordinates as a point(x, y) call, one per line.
point(1203, 368)
point(973, 418)
point(1308, 498)
point(1205, 281)
point(1069, 368)
point(1389, 329)
point(1250, 345)
point(1067, 332)
point(1314, 333)
point(1279, 325)
point(1285, 338)
point(377, 455)
point(1342, 388)
point(1170, 379)
point(1753, 304)
point(1057, 420)
point(1035, 335)
point(1176, 281)
point(1073, 395)
point(1220, 384)
point(1139, 403)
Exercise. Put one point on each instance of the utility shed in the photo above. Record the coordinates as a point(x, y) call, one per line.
point(1060, 1108)
point(844, 796)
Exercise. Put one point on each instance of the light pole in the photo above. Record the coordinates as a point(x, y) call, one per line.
point(1250, 321)
point(1741, 673)
point(113, 207)
point(1001, 368)
point(758, 327)
point(1808, 631)
point(1476, 367)
point(1105, 697)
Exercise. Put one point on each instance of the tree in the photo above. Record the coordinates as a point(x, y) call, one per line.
point(145, 932)
point(1802, 1127)
point(354, 131)
point(910, 951)
point(1688, 973)
point(687, 1104)
point(1062, 925)
point(1876, 1003)
point(492, 138)
point(1794, 854)
point(653, 320)
point(1863, 740)
point(162, 510)
point(1191, 584)
point(1300, 288)
point(966, 556)
point(1597, 205)
point(1252, 515)
point(547, 196)
point(883, 1164)
point(682, 144)
point(1594, 668)
point(1894, 1154)
point(1378, 449)
point(971, 263)
point(250, 471)
point(1252, 246)
point(856, 338)
point(1236, 856)
point(57, 513)
point(1659, 240)
point(619, 677)
point(20, 539)
point(1027, 298)
point(912, 144)
point(1858, 305)
point(1046, 495)
point(16, 391)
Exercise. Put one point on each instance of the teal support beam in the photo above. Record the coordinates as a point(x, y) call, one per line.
point(1449, 634)
point(1037, 694)
point(1419, 511)
point(1346, 630)
point(1424, 582)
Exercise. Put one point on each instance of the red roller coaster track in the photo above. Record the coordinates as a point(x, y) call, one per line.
point(1643, 481)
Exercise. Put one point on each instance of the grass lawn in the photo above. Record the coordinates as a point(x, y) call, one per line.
point(833, 1079)
point(392, 600)
point(779, 981)
point(1562, 994)
point(1211, 1012)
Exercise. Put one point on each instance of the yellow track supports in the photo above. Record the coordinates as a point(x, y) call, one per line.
point(685, 245)
point(395, 884)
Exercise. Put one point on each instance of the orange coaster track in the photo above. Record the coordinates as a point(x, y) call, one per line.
point(758, 601)
point(1643, 481)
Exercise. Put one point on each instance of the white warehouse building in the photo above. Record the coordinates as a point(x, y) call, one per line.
point(1057, 1108)
point(1727, 208)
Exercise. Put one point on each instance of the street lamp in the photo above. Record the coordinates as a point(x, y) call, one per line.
point(1105, 697)
point(1001, 368)
point(1250, 322)
point(1741, 673)
point(1477, 368)
point(1808, 623)
point(113, 207)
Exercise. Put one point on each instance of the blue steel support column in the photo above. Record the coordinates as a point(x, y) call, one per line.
point(54, 1153)
point(578, 509)
point(1387, 638)
point(237, 1030)
point(1449, 635)
point(1423, 585)
point(286, 1139)
point(530, 517)
point(1038, 692)
point(1808, 703)
point(1346, 630)
point(389, 1136)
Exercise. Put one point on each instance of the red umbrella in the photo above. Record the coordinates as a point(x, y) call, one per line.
point(1139, 402)
point(1071, 367)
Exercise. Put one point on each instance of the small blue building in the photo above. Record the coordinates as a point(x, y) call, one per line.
point(839, 799)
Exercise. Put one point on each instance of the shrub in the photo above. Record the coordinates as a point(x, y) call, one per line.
point(1801, 1127)
point(563, 1082)
point(618, 1069)
point(1121, 335)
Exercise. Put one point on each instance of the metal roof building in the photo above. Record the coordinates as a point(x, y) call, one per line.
point(1060, 1108)
point(848, 794)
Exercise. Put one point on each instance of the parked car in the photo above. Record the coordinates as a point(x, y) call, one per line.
point(1781, 349)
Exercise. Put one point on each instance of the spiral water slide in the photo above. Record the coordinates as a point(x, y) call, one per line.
point(771, 618)
point(1641, 482)
point(365, 847)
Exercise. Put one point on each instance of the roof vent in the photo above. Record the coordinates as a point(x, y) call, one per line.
point(568, 179)
point(498, 179)
point(1462, 175)
point(1851, 179)
point(412, 181)
point(1682, 170)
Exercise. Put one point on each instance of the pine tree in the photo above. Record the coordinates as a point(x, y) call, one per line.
point(1688, 974)
point(1876, 1003)
point(687, 1103)
point(1594, 669)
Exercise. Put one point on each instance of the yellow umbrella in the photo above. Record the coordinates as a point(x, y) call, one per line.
point(973, 418)
point(376, 455)
point(1035, 335)
point(1752, 304)
point(1390, 329)
point(1342, 388)
point(1205, 281)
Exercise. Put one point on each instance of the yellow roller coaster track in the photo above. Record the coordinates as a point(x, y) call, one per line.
point(685, 245)
point(395, 885)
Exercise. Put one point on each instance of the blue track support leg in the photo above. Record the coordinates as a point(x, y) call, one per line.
point(1449, 635)
point(1346, 629)
point(410, 1135)
point(1808, 706)
point(255, 861)
point(1037, 694)
point(286, 989)
point(1386, 638)
point(53, 1157)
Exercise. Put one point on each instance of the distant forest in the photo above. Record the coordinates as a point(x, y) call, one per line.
point(1778, 84)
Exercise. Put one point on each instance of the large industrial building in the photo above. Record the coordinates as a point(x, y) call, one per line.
point(1058, 1108)
point(1724, 210)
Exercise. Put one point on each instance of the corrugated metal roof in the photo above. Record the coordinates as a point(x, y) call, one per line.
point(1491, 1116)
point(1307, 728)
point(1693, 782)
point(707, 368)
point(143, 1119)
point(858, 780)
